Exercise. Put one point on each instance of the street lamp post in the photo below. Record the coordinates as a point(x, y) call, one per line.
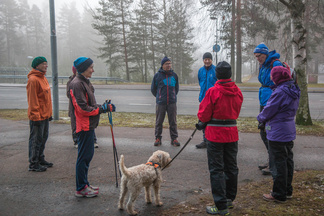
point(215, 18)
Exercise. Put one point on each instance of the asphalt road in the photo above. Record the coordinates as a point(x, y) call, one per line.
point(52, 192)
point(133, 98)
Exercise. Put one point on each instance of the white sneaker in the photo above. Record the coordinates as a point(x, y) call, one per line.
point(86, 192)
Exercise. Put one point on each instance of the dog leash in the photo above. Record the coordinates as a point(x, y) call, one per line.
point(193, 133)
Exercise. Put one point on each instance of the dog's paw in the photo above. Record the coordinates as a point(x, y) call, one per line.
point(133, 213)
point(159, 204)
point(148, 202)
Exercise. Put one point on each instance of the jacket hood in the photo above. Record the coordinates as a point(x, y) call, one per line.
point(290, 88)
point(163, 71)
point(272, 55)
point(227, 87)
point(35, 72)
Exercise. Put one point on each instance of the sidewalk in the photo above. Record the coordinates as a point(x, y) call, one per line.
point(52, 192)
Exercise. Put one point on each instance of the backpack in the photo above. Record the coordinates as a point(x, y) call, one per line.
point(284, 64)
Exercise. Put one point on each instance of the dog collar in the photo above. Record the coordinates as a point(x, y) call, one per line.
point(155, 165)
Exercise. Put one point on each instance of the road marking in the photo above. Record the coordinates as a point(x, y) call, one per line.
point(136, 104)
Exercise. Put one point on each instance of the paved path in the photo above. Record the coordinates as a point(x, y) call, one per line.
point(52, 192)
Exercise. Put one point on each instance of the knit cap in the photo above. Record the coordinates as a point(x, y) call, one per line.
point(223, 70)
point(280, 74)
point(207, 55)
point(82, 64)
point(37, 61)
point(165, 59)
point(262, 48)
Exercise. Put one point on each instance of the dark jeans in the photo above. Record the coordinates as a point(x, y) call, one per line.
point(85, 154)
point(222, 164)
point(37, 139)
point(263, 135)
point(171, 109)
point(284, 163)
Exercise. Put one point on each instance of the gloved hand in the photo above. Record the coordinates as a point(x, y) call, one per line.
point(201, 125)
point(261, 126)
point(107, 106)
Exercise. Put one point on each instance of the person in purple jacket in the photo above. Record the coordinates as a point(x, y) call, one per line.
point(278, 119)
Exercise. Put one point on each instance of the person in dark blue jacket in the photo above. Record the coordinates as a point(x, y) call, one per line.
point(267, 61)
point(278, 118)
point(207, 79)
point(165, 87)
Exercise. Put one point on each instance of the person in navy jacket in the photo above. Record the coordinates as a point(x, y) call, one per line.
point(207, 79)
point(165, 87)
point(278, 119)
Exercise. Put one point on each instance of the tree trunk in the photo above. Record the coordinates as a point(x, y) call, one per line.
point(299, 33)
point(233, 39)
point(124, 37)
point(238, 44)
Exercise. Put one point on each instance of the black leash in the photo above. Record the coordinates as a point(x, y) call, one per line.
point(181, 148)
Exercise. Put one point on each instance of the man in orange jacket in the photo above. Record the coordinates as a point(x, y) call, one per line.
point(39, 114)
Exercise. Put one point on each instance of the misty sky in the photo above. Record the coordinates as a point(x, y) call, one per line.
point(58, 3)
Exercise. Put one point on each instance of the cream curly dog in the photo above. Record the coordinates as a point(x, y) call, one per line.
point(143, 175)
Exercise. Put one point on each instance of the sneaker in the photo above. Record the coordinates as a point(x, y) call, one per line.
point(230, 204)
point(157, 142)
point(37, 168)
point(201, 145)
point(270, 198)
point(263, 166)
point(96, 145)
point(46, 164)
point(214, 211)
point(266, 171)
point(86, 192)
point(94, 188)
point(175, 143)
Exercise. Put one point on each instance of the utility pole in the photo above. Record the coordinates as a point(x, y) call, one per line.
point(54, 62)
point(215, 46)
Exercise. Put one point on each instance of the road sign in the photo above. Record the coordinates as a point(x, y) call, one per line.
point(216, 48)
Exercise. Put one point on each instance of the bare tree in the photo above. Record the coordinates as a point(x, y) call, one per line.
point(299, 34)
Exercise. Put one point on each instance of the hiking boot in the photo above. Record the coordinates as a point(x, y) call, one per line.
point(96, 145)
point(263, 166)
point(37, 168)
point(86, 192)
point(94, 188)
point(214, 211)
point(230, 204)
point(270, 198)
point(266, 171)
point(46, 164)
point(175, 143)
point(201, 145)
point(157, 142)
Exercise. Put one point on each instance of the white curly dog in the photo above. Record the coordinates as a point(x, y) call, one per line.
point(143, 175)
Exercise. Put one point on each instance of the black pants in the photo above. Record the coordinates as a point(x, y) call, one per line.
point(222, 164)
point(37, 139)
point(284, 164)
point(263, 135)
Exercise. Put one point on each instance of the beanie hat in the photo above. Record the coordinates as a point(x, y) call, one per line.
point(262, 48)
point(37, 61)
point(280, 74)
point(207, 55)
point(74, 70)
point(82, 64)
point(223, 70)
point(165, 59)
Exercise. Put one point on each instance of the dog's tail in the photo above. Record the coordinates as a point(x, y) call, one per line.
point(122, 166)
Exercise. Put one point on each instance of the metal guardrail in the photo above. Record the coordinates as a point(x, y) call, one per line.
point(107, 79)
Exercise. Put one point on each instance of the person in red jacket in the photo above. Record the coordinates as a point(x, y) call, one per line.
point(217, 113)
point(87, 114)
